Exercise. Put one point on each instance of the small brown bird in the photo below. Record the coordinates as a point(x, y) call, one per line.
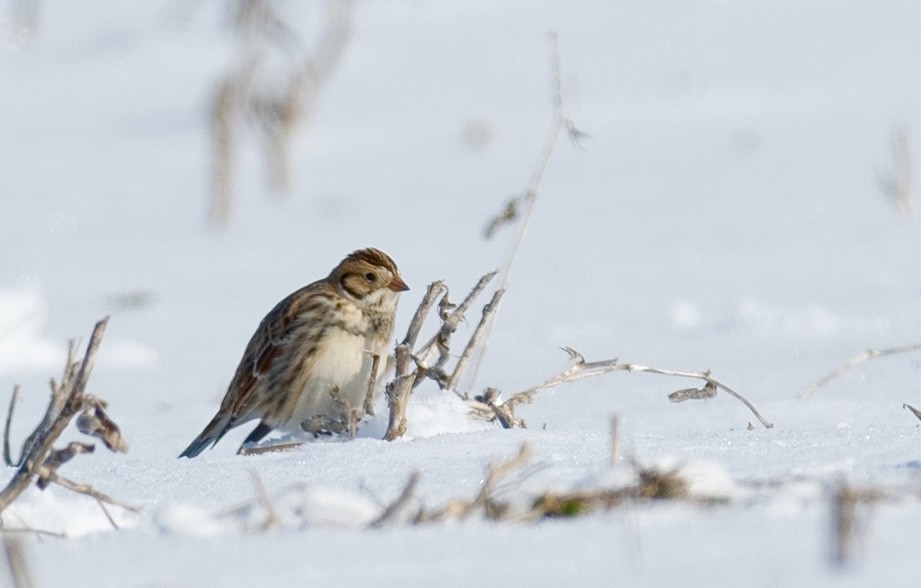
point(308, 365)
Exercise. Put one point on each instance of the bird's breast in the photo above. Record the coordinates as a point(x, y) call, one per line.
point(337, 378)
point(340, 357)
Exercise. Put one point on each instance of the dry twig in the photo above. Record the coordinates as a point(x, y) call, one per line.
point(478, 339)
point(7, 458)
point(854, 362)
point(615, 440)
point(582, 369)
point(414, 367)
point(399, 505)
point(38, 458)
point(847, 528)
point(17, 562)
point(521, 207)
point(275, 448)
point(495, 473)
point(484, 501)
point(275, 110)
point(404, 379)
point(368, 405)
point(451, 316)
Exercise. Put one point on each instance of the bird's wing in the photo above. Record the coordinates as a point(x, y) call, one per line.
point(268, 345)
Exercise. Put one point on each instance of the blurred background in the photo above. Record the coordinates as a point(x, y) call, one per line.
point(743, 201)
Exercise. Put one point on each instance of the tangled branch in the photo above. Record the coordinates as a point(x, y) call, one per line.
point(38, 459)
point(489, 405)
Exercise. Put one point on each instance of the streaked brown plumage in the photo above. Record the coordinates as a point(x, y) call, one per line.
point(310, 359)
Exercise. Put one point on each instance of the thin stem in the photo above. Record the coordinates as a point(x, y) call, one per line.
point(852, 363)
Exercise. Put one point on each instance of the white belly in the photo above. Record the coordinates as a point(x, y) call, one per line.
point(339, 382)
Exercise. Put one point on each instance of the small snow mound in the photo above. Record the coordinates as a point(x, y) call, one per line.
point(185, 519)
point(436, 413)
point(428, 414)
point(707, 479)
point(61, 511)
point(297, 507)
point(329, 507)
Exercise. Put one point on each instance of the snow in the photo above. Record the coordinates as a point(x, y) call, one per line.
point(726, 213)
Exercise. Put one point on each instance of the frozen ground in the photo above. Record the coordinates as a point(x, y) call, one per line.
point(726, 214)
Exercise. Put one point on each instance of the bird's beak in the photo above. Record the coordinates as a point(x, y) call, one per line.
point(397, 284)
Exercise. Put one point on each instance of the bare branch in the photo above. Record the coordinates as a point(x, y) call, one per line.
point(483, 501)
point(522, 208)
point(451, 317)
point(95, 422)
point(17, 561)
point(495, 473)
point(401, 386)
point(847, 528)
point(276, 109)
point(62, 408)
point(479, 334)
point(398, 505)
point(368, 405)
point(582, 369)
point(854, 362)
point(38, 458)
point(262, 498)
point(57, 458)
point(491, 407)
point(913, 410)
point(108, 515)
point(90, 491)
point(7, 458)
point(260, 449)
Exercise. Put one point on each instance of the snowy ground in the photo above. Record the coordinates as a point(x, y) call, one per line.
point(726, 214)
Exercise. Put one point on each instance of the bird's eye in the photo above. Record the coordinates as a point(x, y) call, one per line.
point(370, 276)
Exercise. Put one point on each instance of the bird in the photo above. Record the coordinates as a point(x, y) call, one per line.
point(308, 365)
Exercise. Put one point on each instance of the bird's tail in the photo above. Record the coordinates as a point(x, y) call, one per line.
point(219, 425)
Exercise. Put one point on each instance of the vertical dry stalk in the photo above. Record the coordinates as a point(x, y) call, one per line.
point(399, 388)
point(17, 562)
point(847, 525)
point(226, 103)
point(844, 531)
point(522, 207)
point(615, 440)
point(413, 367)
point(283, 116)
point(7, 458)
point(900, 187)
point(368, 405)
point(481, 332)
point(494, 474)
point(275, 109)
point(397, 506)
point(451, 317)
